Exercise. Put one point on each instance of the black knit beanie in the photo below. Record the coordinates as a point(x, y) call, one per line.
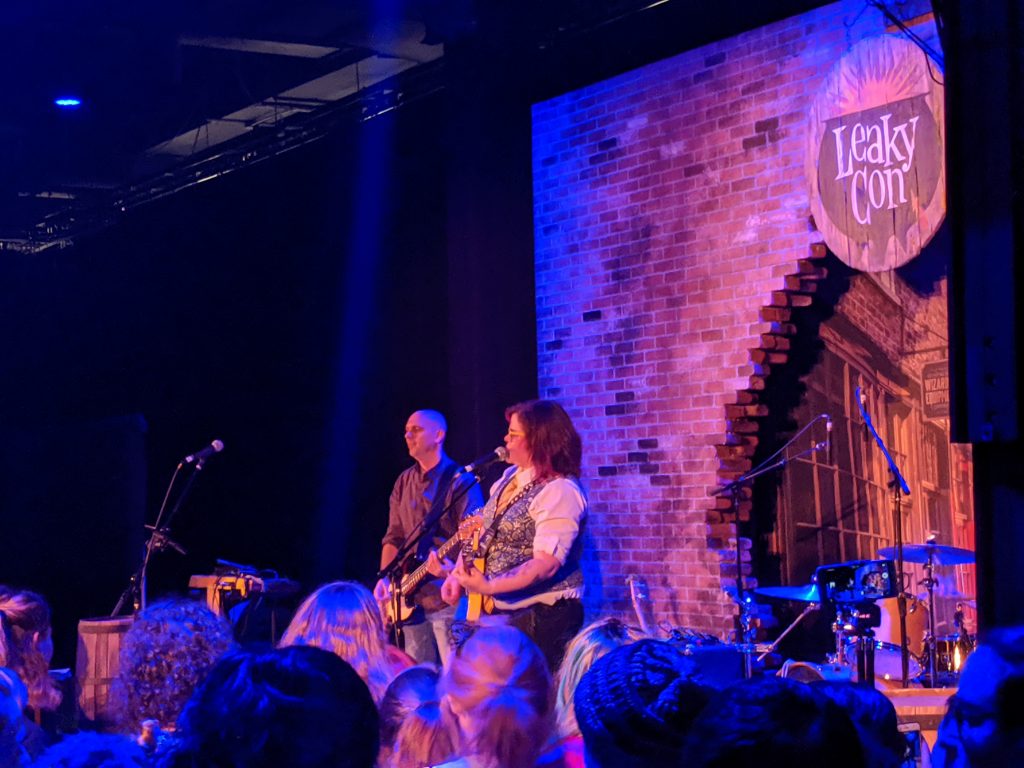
point(637, 702)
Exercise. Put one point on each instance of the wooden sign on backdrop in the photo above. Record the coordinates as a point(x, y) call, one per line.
point(935, 388)
point(875, 154)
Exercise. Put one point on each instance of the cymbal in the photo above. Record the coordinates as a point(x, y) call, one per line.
point(938, 554)
point(807, 593)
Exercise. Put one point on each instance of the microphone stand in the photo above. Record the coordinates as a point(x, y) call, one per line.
point(426, 526)
point(732, 490)
point(159, 540)
point(899, 488)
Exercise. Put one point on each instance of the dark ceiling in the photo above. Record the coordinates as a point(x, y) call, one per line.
point(177, 93)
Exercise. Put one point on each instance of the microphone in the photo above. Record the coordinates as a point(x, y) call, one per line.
point(829, 459)
point(498, 454)
point(202, 455)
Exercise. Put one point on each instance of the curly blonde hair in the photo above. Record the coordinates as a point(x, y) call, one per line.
point(165, 654)
point(590, 644)
point(24, 624)
point(342, 617)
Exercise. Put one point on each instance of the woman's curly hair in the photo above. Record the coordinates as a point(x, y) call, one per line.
point(164, 655)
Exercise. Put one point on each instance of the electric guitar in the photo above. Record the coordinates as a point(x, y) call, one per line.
point(402, 609)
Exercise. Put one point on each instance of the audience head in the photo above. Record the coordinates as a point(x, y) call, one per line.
point(772, 721)
point(26, 645)
point(636, 704)
point(343, 618)
point(984, 724)
point(874, 717)
point(497, 688)
point(413, 731)
point(165, 654)
point(299, 707)
point(93, 750)
point(592, 642)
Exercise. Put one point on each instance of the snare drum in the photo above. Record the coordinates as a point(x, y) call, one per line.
point(888, 630)
point(888, 662)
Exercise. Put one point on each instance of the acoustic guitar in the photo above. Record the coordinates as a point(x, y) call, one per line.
point(414, 579)
point(473, 604)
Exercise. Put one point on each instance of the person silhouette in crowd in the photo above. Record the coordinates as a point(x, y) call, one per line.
point(413, 730)
point(984, 722)
point(300, 707)
point(772, 721)
point(497, 689)
point(26, 645)
point(636, 705)
point(874, 717)
point(94, 750)
point(13, 698)
point(165, 654)
point(342, 617)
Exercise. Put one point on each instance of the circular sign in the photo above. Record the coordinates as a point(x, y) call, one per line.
point(875, 154)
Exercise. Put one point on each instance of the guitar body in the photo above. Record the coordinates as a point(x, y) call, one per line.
point(473, 604)
point(401, 609)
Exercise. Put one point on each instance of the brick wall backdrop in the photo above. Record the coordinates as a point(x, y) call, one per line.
point(670, 205)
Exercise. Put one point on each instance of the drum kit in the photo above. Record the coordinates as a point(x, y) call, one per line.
point(856, 590)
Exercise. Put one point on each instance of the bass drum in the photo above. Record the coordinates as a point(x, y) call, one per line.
point(917, 619)
point(888, 663)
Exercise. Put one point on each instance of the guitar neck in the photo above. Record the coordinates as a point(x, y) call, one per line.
point(412, 582)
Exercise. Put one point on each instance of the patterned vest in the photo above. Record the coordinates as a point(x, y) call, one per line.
point(513, 545)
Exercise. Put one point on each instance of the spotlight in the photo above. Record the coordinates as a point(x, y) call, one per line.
point(68, 102)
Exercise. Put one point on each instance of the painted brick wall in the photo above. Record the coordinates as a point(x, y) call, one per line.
point(670, 203)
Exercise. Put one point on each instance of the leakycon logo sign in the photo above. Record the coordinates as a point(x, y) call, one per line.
point(875, 155)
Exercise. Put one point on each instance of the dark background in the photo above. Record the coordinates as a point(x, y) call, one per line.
point(297, 310)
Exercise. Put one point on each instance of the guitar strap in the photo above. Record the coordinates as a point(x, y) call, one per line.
point(437, 508)
point(487, 537)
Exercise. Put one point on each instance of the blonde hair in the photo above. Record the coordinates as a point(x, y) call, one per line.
point(498, 687)
point(425, 738)
point(342, 617)
point(590, 644)
point(413, 729)
point(24, 620)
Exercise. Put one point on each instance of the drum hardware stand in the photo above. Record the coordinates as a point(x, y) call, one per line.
point(770, 648)
point(930, 647)
point(858, 620)
point(746, 621)
point(899, 489)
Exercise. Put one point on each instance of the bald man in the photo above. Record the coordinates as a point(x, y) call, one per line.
point(414, 496)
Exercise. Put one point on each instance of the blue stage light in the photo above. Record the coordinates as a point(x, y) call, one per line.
point(68, 102)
